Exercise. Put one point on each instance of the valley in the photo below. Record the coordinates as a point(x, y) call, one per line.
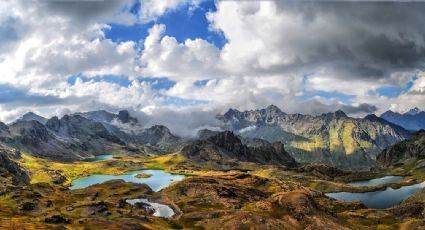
point(212, 115)
point(219, 180)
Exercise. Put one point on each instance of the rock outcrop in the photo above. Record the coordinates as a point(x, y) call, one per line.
point(10, 169)
point(406, 151)
point(225, 146)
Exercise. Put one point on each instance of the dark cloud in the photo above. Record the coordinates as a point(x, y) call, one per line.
point(11, 31)
point(88, 11)
point(316, 107)
point(359, 39)
point(360, 109)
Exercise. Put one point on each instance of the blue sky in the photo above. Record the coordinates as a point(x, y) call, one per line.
point(182, 23)
point(394, 91)
point(259, 53)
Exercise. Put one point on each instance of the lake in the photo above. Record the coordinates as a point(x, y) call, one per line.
point(160, 210)
point(379, 199)
point(377, 181)
point(99, 158)
point(156, 182)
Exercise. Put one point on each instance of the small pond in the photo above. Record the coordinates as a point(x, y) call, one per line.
point(158, 180)
point(379, 199)
point(377, 181)
point(99, 158)
point(160, 210)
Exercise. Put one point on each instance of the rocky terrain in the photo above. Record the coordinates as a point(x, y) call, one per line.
point(225, 148)
point(37, 139)
point(405, 152)
point(232, 180)
point(11, 173)
point(332, 138)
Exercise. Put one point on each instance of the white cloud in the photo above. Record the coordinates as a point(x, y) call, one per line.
point(152, 9)
point(164, 56)
point(271, 46)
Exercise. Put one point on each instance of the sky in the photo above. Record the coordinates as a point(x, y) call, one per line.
point(183, 61)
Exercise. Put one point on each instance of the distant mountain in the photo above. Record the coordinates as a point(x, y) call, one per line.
point(76, 136)
point(158, 138)
point(332, 138)
point(32, 117)
point(414, 119)
point(225, 149)
point(37, 139)
point(407, 151)
point(107, 117)
point(92, 134)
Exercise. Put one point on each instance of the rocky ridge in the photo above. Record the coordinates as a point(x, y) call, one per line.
point(225, 147)
point(332, 138)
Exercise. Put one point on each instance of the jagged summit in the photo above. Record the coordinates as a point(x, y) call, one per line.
point(340, 113)
point(124, 117)
point(225, 148)
point(413, 111)
point(30, 116)
point(273, 109)
point(108, 117)
point(336, 114)
point(372, 117)
point(332, 138)
point(413, 120)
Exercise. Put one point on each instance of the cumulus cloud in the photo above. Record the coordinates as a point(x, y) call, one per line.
point(276, 52)
point(152, 9)
point(164, 56)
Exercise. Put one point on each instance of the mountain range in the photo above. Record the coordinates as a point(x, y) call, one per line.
point(413, 119)
point(76, 136)
point(332, 138)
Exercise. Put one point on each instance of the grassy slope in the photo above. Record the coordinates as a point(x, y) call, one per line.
point(175, 162)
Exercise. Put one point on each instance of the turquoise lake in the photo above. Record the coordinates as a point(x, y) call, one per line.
point(377, 181)
point(99, 158)
point(156, 182)
point(379, 199)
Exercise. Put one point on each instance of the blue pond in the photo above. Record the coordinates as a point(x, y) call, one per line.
point(160, 210)
point(99, 158)
point(379, 199)
point(377, 181)
point(156, 182)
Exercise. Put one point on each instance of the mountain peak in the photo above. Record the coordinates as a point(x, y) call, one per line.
point(336, 114)
point(273, 108)
point(371, 117)
point(30, 116)
point(414, 111)
point(340, 113)
point(125, 117)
